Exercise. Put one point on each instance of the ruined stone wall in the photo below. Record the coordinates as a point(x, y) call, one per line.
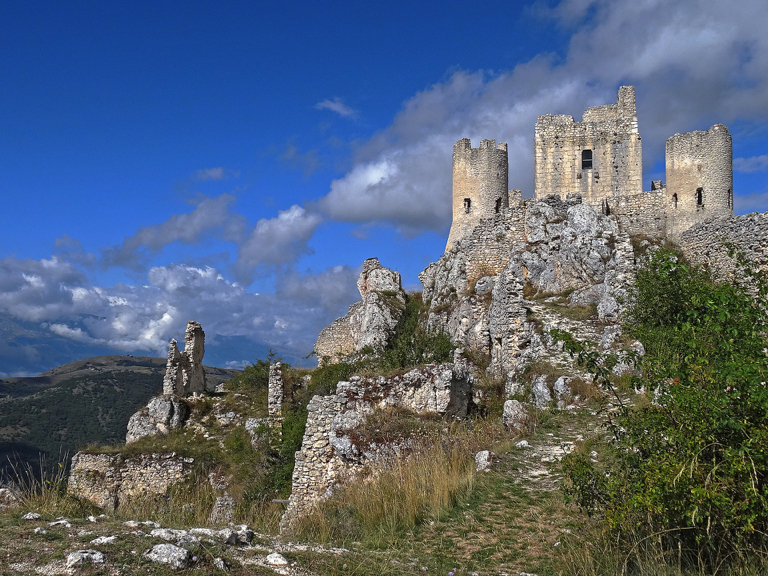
point(610, 132)
point(487, 249)
point(480, 180)
point(704, 242)
point(107, 480)
point(327, 456)
point(184, 372)
point(643, 213)
point(699, 178)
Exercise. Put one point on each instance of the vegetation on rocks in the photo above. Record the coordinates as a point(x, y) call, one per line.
point(685, 477)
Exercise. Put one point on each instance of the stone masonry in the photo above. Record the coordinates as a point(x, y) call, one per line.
point(108, 480)
point(599, 158)
point(328, 457)
point(184, 373)
point(275, 395)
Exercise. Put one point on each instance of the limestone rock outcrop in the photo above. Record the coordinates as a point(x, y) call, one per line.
point(479, 291)
point(161, 415)
point(184, 373)
point(370, 323)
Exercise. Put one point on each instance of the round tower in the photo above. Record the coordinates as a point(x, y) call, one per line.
point(699, 178)
point(480, 181)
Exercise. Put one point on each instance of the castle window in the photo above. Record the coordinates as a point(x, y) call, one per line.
point(699, 197)
point(498, 205)
point(467, 205)
point(586, 159)
point(674, 200)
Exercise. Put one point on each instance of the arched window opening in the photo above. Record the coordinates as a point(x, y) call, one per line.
point(674, 200)
point(699, 197)
point(586, 159)
point(467, 205)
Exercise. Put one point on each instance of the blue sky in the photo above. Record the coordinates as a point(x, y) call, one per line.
point(235, 162)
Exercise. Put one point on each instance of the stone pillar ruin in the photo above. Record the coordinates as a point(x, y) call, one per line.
point(184, 372)
point(275, 395)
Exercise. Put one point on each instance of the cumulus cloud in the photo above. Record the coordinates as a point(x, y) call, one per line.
point(752, 164)
point(276, 241)
point(336, 105)
point(755, 202)
point(210, 216)
point(145, 317)
point(697, 66)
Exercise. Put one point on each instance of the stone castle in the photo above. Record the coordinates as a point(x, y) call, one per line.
point(600, 160)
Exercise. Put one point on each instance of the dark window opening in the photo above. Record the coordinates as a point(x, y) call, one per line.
point(467, 205)
point(606, 208)
point(699, 197)
point(674, 200)
point(586, 159)
point(498, 205)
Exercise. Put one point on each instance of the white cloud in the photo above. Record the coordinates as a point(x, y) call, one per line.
point(146, 317)
point(336, 105)
point(210, 216)
point(755, 202)
point(209, 174)
point(752, 164)
point(698, 65)
point(276, 241)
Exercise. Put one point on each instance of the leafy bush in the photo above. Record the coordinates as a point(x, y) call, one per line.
point(689, 471)
point(413, 343)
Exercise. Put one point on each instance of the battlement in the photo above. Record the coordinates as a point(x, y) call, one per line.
point(480, 180)
point(598, 158)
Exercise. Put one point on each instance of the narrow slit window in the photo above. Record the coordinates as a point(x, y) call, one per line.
point(467, 205)
point(498, 205)
point(674, 200)
point(699, 197)
point(586, 159)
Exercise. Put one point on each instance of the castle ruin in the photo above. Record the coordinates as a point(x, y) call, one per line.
point(600, 161)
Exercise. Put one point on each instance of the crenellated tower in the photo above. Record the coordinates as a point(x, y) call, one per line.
point(480, 181)
point(699, 178)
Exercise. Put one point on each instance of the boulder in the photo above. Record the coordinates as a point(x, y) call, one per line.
point(82, 557)
point(515, 415)
point(370, 323)
point(175, 557)
point(161, 415)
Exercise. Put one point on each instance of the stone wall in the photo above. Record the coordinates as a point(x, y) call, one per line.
point(107, 480)
point(641, 213)
point(610, 133)
point(327, 456)
point(480, 180)
point(704, 243)
point(699, 178)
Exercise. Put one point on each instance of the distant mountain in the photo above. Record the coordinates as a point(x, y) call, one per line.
point(79, 403)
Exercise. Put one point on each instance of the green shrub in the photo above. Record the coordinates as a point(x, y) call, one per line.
point(691, 470)
point(414, 344)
